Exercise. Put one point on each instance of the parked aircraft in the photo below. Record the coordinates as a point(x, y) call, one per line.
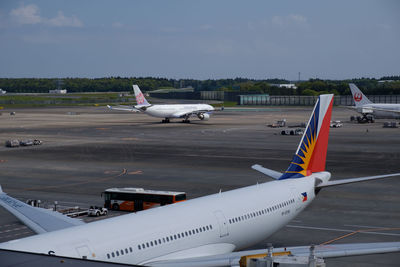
point(203, 231)
point(171, 111)
point(371, 111)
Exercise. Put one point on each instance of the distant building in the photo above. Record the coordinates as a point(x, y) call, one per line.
point(386, 81)
point(286, 85)
point(2, 92)
point(58, 91)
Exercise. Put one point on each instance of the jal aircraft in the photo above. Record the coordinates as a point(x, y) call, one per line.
point(204, 231)
point(172, 111)
point(371, 111)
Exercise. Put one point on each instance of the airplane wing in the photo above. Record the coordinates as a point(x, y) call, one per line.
point(322, 251)
point(355, 180)
point(185, 113)
point(123, 108)
point(38, 219)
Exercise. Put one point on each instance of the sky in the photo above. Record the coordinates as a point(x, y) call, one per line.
point(200, 39)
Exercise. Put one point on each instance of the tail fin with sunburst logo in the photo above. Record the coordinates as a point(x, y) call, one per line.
point(311, 154)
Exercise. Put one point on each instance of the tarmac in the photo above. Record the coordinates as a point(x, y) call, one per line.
point(86, 150)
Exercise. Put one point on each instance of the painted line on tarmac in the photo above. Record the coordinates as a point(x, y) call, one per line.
point(364, 226)
point(8, 225)
point(340, 230)
point(124, 171)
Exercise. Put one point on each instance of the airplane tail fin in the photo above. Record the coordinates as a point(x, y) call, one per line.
point(140, 99)
point(310, 155)
point(358, 96)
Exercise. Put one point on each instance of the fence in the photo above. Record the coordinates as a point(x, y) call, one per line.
point(256, 99)
point(345, 100)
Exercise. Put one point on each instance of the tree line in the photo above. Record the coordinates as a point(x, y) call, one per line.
point(384, 86)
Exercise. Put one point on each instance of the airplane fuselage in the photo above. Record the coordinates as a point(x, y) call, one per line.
point(380, 111)
point(174, 110)
point(210, 225)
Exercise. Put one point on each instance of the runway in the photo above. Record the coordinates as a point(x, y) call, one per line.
point(95, 149)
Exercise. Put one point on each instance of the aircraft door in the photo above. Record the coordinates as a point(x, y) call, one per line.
point(83, 251)
point(223, 226)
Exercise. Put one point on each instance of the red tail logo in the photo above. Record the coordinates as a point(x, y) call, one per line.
point(140, 98)
point(357, 97)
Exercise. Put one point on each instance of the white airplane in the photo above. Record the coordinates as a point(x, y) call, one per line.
point(172, 111)
point(204, 231)
point(371, 111)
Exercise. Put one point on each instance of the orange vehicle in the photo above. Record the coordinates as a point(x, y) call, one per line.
point(137, 199)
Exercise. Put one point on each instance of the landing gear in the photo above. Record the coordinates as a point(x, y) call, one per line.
point(166, 120)
point(366, 118)
point(186, 119)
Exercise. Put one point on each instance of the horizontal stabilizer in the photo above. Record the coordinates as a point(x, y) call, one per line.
point(268, 172)
point(355, 180)
point(38, 219)
point(123, 108)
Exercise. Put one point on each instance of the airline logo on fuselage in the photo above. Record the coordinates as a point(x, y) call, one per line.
point(357, 97)
point(304, 195)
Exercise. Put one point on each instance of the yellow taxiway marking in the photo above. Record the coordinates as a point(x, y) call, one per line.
point(358, 231)
point(135, 172)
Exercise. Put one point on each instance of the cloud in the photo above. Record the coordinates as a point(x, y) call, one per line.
point(285, 21)
point(26, 14)
point(117, 24)
point(61, 21)
point(30, 15)
point(206, 27)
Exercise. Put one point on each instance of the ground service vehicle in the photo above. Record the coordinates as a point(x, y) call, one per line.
point(137, 199)
point(97, 211)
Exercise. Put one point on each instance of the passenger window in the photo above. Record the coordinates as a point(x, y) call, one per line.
point(116, 252)
point(163, 239)
point(210, 226)
point(155, 242)
point(197, 230)
point(148, 245)
point(112, 254)
point(126, 251)
point(122, 252)
point(151, 243)
point(139, 247)
point(167, 239)
point(108, 256)
point(130, 249)
point(175, 237)
point(159, 241)
point(207, 227)
point(179, 236)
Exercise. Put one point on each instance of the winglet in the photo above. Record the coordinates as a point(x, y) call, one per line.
point(311, 153)
point(140, 99)
point(38, 219)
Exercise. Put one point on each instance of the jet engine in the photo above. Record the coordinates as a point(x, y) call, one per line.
point(203, 116)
